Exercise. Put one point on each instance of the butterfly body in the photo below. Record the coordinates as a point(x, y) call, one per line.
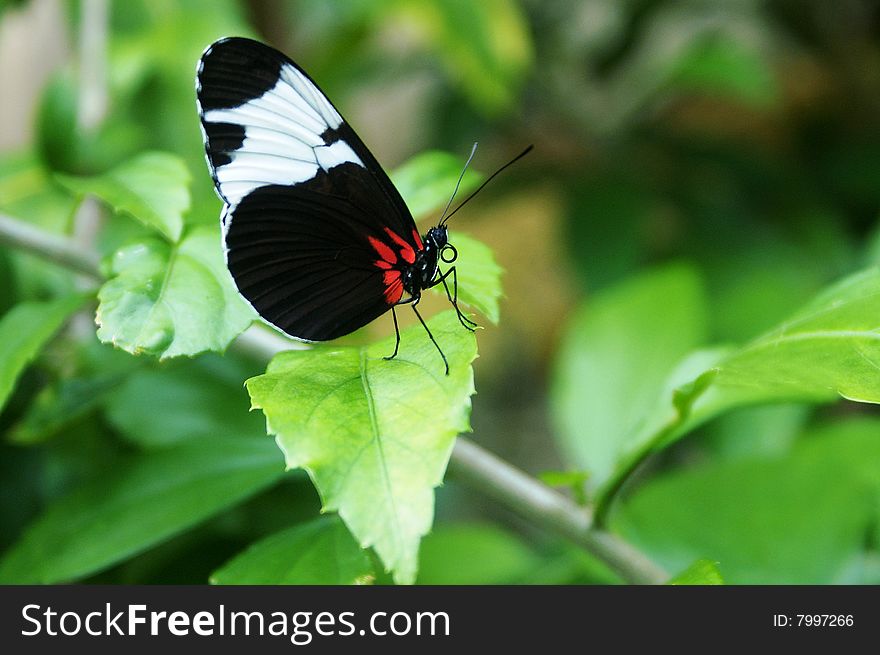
point(316, 237)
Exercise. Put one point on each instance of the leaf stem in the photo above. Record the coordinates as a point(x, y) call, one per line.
point(470, 463)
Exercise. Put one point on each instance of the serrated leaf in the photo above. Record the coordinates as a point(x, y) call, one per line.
point(171, 299)
point(701, 572)
point(24, 330)
point(135, 506)
point(479, 276)
point(426, 181)
point(375, 435)
point(318, 552)
point(153, 187)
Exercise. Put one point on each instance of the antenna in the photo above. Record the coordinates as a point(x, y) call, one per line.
point(480, 188)
point(458, 184)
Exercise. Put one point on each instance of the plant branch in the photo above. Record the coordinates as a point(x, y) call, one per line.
point(537, 502)
point(60, 250)
point(469, 462)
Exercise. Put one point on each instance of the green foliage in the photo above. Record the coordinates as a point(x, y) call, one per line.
point(319, 552)
point(59, 405)
point(24, 330)
point(782, 520)
point(701, 572)
point(169, 300)
point(721, 65)
point(427, 180)
point(692, 404)
point(479, 276)
point(474, 554)
point(619, 351)
point(152, 187)
point(827, 349)
point(374, 434)
point(484, 46)
point(138, 504)
point(63, 145)
point(200, 398)
point(823, 351)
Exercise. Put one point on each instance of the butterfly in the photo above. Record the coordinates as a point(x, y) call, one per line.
point(316, 237)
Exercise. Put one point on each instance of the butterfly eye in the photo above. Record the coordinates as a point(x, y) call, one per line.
point(449, 254)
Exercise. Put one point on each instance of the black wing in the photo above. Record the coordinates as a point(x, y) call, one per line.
point(310, 215)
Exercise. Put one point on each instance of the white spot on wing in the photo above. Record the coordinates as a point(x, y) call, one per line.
point(251, 114)
point(310, 93)
point(283, 141)
point(336, 153)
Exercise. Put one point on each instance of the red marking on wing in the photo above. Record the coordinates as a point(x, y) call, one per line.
point(393, 286)
point(385, 251)
point(406, 250)
point(381, 263)
point(418, 239)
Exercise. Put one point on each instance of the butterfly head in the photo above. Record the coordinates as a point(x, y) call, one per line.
point(437, 241)
point(437, 237)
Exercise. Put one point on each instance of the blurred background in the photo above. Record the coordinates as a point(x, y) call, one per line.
point(737, 141)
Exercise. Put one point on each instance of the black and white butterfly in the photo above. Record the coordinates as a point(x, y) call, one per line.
point(317, 238)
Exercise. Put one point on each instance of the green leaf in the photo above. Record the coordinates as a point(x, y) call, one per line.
point(170, 300)
point(24, 330)
point(426, 181)
point(64, 146)
point(485, 46)
point(667, 420)
point(760, 429)
point(27, 192)
point(479, 276)
point(829, 349)
point(133, 507)
point(474, 554)
point(825, 351)
point(199, 398)
point(798, 519)
point(153, 187)
point(701, 572)
point(724, 66)
point(375, 435)
point(618, 351)
point(319, 552)
point(60, 404)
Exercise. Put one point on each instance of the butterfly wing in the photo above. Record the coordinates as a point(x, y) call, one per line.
point(315, 233)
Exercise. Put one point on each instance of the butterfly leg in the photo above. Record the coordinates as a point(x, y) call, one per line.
point(453, 297)
point(396, 335)
point(461, 315)
point(430, 336)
